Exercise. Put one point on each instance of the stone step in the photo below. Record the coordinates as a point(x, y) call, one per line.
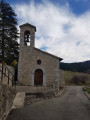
point(33, 89)
point(19, 100)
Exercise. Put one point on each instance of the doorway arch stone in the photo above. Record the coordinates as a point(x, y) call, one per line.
point(44, 76)
point(38, 77)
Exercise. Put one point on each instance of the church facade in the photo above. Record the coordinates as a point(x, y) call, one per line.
point(36, 67)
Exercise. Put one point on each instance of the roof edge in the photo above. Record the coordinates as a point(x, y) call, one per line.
point(60, 59)
point(27, 24)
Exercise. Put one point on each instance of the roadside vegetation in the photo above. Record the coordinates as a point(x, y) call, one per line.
point(87, 89)
point(76, 78)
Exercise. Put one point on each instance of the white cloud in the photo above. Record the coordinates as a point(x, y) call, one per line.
point(58, 29)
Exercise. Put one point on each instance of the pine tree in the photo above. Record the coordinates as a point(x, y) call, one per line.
point(8, 33)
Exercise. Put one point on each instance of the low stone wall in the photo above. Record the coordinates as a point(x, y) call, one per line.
point(5, 71)
point(7, 95)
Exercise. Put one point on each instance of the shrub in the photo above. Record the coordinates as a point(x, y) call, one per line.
point(88, 89)
point(83, 79)
point(79, 79)
point(75, 80)
point(14, 63)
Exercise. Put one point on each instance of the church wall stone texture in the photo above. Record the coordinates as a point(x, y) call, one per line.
point(28, 62)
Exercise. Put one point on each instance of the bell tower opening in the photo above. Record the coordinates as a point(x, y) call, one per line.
point(27, 35)
point(27, 38)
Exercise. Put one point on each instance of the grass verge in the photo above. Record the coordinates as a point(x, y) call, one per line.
point(88, 89)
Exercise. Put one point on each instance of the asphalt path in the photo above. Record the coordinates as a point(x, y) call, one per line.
point(71, 105)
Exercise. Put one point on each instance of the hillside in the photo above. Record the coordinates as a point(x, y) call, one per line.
point(80, 78)
point(76, 67)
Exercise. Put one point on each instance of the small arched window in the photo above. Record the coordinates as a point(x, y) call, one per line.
point(27, 37)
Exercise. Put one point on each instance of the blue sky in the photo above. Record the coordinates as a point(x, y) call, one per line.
point(63, 26)
point(77, 6)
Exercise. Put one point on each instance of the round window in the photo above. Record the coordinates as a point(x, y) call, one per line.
point(38, 62)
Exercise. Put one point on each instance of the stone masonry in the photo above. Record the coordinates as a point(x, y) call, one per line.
point(28, 57)
point(7, 95)
point(5, 71)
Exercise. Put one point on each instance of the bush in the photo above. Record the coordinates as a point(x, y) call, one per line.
point(88, 89)
point(79, 79)
point(14, 63)
point(75, 80)
point(83, 79)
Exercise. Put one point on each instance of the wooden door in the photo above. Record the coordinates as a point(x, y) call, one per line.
point(38, 77)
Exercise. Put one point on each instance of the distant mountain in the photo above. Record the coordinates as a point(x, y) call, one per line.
point(76, 67)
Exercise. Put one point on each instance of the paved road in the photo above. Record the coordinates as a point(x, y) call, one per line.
point(72, 105)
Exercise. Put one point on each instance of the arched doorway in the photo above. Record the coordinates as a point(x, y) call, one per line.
point(38, 77)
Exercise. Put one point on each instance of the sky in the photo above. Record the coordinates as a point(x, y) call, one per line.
point(63, 26)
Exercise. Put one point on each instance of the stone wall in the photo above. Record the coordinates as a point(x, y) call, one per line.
point(62, 81)
point(28, 57)
point(7, 95)
point(28, 64)
point(5, 71)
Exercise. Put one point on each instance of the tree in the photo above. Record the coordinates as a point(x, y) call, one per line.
point(9, 46)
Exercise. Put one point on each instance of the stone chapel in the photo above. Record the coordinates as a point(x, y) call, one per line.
point(36, 67)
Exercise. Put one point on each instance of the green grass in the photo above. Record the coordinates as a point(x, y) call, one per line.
point(88, 89)
point(68, 75)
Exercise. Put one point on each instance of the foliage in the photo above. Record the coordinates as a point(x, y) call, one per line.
point(83, 79)
point(79, 79)
point(3, 63)
point(14, 63)
point(75, 80)
point(8, 33)
point(87, 89)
